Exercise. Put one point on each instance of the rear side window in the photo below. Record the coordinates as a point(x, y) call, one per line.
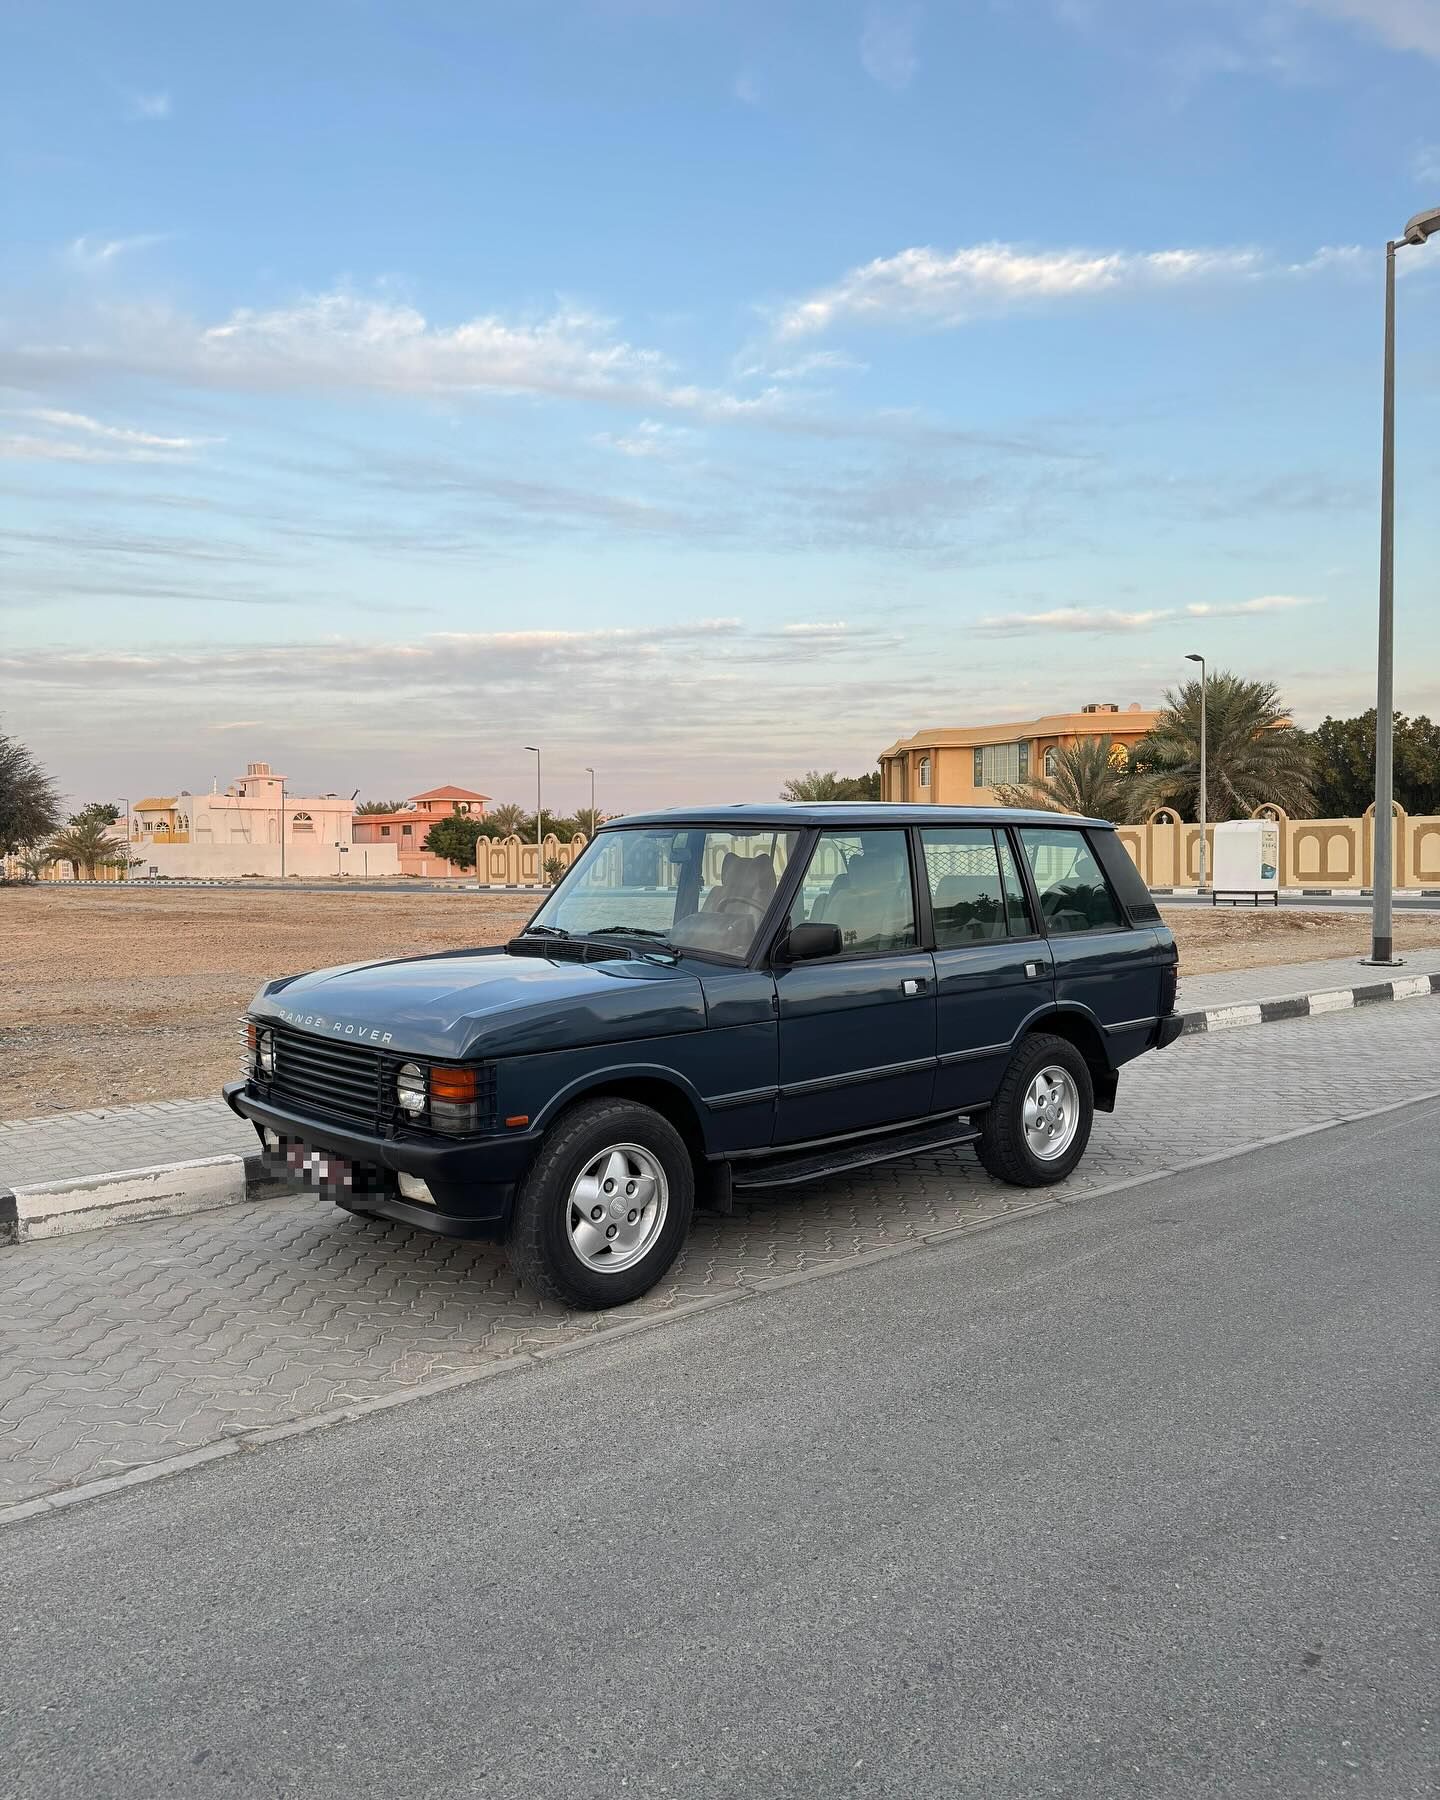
point(975, 890)
point(1074, 896)
point(1125, 878)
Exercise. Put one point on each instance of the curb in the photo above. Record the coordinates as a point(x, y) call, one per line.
point(1301, 1006)
point(48, 1209)
point(54, 1208)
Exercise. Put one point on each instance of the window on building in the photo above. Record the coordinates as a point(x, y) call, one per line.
point(406, 831)
point(924, 771)
point(1074, 895)
point(301, 821)
point(1001, 764)
point(384, 831)
point(860, 881)
point(1052, 763)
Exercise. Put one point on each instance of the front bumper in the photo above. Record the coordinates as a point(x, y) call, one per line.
point(473, 1181)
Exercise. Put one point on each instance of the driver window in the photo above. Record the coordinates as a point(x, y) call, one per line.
point(860, 881)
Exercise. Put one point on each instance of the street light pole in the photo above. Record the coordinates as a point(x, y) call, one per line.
point(539, 813)
point(282, 828)
point(1192, 656)
point(594, 821)
point(1382, 931)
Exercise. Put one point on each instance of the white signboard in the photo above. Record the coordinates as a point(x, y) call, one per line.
point(1247, 857)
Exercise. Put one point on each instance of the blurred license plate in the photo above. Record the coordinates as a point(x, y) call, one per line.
point(319, 1168)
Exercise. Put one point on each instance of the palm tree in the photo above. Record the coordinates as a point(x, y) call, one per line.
point(1091, 778)
point(506, 819)
point(829, 784)
point(380, 806)
point(1254, 754)
point(34, 863)
point(85, 842)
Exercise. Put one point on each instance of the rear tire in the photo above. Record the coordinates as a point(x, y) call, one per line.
point(1036, 1128)
point(605, 1207)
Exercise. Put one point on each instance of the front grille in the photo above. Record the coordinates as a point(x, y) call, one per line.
point(353, 1083)
point(345, 1081)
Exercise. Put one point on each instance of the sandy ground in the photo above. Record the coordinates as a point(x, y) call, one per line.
point(108, 996)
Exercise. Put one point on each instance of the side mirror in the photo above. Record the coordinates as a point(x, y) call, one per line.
point(807, 942)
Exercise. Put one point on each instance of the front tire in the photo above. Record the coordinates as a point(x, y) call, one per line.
point(605, 1207)
point(1036, 1128)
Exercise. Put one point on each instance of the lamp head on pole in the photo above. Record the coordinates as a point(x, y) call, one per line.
point(1193, 656)
point(1423, 225)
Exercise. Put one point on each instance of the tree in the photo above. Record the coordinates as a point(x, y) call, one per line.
point(1092, 777)
point(505, 820)
point(103, 812)
point(455, 839)
point(85, 842)
point(1254, 754)
point(589, 822)
point(29, 804)
point(1345, 765)
point(380, 806)
point(828, 784)
point(34, 863)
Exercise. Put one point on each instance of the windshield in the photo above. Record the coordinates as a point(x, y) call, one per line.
point(697, 888)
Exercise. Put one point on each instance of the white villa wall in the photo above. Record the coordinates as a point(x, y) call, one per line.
point(228, 861)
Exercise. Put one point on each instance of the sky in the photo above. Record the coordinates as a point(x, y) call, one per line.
point(702, 390)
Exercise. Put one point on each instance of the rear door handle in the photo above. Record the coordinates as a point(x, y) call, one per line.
point(912, 985)
point(1032, 970)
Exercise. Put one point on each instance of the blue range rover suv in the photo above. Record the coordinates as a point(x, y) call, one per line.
point(732, 998)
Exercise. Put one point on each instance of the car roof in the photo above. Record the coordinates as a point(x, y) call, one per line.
point(796, 814)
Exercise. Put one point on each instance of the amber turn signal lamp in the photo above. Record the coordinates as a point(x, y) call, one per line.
point(516, 1120)
point(452, 1084)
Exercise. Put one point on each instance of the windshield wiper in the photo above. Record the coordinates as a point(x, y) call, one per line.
point(630, 931)
point(544, 931)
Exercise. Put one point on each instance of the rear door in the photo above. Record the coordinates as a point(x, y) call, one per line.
point(1105, 966)
point(857, 1030)
point(993, 970)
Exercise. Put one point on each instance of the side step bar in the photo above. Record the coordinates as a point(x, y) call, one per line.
point(814, 1165)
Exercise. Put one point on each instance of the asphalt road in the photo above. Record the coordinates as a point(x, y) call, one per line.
point(1123, 1500)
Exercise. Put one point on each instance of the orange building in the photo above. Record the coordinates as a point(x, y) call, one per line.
point(408, 829)
point(962, 765)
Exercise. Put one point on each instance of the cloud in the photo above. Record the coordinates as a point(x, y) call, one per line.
point(1109, 620)
point(925, 286)
point(887, 46)
point(649, 439)
point(812, 363)
point(94, 253)
point(1400, 24)
point(146, 106)
point(76, 437)
point(821, 628)
point(746, 89)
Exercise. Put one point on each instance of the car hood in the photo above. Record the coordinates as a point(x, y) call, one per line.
point(486, 1003)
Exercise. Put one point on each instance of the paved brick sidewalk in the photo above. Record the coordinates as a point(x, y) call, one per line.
point(66, 1145)
point(1282, 979)
point(131, 1345)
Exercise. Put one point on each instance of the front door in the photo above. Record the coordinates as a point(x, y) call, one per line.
point(857, 1030)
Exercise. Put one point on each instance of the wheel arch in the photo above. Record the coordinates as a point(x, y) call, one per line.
point(1083, 1031)
point(658, 1090)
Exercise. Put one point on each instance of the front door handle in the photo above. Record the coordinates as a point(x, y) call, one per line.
point(912, 985)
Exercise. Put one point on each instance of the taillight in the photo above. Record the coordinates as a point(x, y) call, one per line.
point(1169, 987)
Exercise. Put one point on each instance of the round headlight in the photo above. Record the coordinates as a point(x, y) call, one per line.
point(410, 1088)
point(265, 1051)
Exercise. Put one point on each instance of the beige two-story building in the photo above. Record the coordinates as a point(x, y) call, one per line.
point(962, 765)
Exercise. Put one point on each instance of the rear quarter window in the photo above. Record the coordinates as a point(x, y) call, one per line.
point(1124, 877)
